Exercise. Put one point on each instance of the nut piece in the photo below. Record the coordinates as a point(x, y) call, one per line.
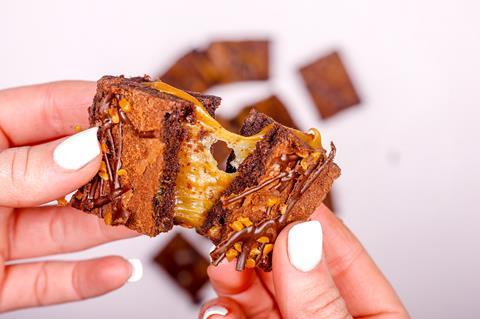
point(255, 251)
point(237, 226)
point(267, 249)
point(245, 221)
point(231, 254)
point(104, 148)
point(107, 217)
point(61, 202)
point(250, 263)
point(263, 240)
point(77, 128)
point(122, 172)
point(114, 115)
point(103, 175)
point(125, 105)
point(238, 247)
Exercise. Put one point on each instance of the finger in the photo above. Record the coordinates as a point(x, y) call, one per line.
point(267, 281)
point(244, 287)
point(303, 285)
point(59, 229)
point(361, 283)
point(221, 308)
point(37, 113)
point(46, 283)
point(34, 175)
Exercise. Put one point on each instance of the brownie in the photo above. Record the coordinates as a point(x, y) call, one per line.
point(158, 170)
point(140, 131)
point(193, 72)
point(271, 106)
point(185, 265)
point(240, 60)
point(284, 180)
point(329, 85)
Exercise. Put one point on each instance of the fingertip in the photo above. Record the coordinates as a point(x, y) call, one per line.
point(113, 271)
point(227, 280)
point(221, 308)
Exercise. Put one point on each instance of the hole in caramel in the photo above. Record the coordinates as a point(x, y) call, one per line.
point(220, 152)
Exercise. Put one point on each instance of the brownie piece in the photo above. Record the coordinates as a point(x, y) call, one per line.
point(158, 170)
point(140, 130)
point(283, 181)
point(193, 72)
point(329, 85)
point(271, 106)
point(185, 265)
point(240, 60)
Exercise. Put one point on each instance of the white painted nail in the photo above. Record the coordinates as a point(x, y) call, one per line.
point(305, 242)
point(215, 310)
point(137, 270)
point(77, 150)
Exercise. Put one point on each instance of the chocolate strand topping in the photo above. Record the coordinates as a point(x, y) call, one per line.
point(300, 183)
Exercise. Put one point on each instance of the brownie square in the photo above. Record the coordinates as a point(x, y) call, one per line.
point(329, 85)
point(185, 265)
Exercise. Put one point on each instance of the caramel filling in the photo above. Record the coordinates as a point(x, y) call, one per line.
point(199, 182)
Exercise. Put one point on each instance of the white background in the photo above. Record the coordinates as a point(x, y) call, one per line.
point(410, 153)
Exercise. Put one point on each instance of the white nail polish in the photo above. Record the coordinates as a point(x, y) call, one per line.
point(77, 150)
point(137, 270)
point(305, 242)
point(215, 310)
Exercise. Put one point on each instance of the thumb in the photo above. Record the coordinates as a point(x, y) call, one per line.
point(303, 284)
point(34, 175)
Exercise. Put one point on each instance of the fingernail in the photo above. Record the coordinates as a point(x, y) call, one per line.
point(305, 242)
point(77, 150)
point(215, 310)
point(137, 270)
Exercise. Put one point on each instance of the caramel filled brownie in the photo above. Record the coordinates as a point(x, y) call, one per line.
point(329, 85)
point(158, 170)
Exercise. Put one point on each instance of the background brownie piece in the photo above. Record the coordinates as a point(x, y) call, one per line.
point(240, 60)
point(185, 265)
point(192, 72)
point(329, 85)
point(271, 106)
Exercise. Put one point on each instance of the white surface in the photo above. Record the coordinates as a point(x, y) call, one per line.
point(305, 242)
point(409, 155)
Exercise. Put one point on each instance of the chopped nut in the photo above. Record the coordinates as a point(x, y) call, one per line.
point(214, 232)
point(78, 195)
point(245, 221)
point(304, 164)
point(104, 148)
point(282, 209)
point(103, 166)
point(302, 153)
point(77, 128)
point(267, 249)
point(255, 251)
point(272, 201)
point(103, 175)
point(125, 105)
point(250, 263)
point(114, 115)
point(231, 254)
point(263, 240)
point(61, 202)
point(237, 226)
point(122, 172)
point(238, 247)
point(107, 217)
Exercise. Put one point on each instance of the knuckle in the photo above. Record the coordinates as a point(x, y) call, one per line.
point(40, 289)
point(57, 231)
point(76, 280)
point(15, 171)
point(328, 304)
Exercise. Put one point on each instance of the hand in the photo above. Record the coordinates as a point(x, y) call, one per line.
point(37, 165)
point(343, 283)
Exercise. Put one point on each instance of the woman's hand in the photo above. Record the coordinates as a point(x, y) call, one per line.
point(37, 165)
point(314, 276)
